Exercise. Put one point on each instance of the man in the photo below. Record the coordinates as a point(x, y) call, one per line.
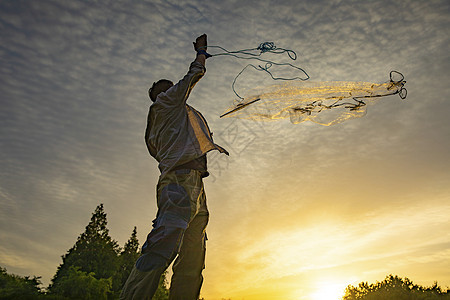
point(178, 137)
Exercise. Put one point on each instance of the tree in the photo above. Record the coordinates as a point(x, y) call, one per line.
point(81, 285)
point(162, 292)
point(97, 265)
point(395, 288)
point(94, 253)
point(18, 287)
point(128, 256)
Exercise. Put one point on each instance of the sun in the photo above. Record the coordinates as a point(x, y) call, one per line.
point(328, 290)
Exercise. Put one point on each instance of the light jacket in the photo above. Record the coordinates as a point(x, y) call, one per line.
point(177, 133)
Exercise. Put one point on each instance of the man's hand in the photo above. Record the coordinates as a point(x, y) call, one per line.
point(201, 43)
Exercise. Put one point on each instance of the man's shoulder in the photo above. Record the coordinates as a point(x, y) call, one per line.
point(161, 113)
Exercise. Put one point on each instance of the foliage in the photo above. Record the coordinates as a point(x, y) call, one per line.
point(81, 285)
point(395, 288)
point(128, 256)
point(94, 251)
point(162, 293)
point(18, 287)
point(94, 268)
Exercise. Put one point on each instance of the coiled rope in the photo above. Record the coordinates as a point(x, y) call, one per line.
point(266, 47)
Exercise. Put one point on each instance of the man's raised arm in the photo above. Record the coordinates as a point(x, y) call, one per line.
point(178, 94)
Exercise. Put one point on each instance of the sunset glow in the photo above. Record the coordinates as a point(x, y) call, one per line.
point(328, 290)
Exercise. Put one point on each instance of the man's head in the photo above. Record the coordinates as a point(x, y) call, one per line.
point(159, 87)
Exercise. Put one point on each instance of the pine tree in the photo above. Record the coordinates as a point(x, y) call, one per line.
point(96, 266)
point(128, 256)
point(94, 252)
point(162, 292)
point(18, 287)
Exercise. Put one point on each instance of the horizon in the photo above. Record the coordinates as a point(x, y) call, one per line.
point(325, 289)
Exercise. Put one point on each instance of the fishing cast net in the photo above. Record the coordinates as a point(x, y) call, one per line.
point(324, 103)
point(297, 98)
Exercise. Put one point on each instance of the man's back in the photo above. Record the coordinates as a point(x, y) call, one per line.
point(176, 132)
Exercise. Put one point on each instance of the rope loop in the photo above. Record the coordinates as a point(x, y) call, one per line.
point(402, 92)
point(393, 73)
point(266, 67)
point(292, 54)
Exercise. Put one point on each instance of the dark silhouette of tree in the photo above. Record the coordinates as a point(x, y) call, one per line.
point(395, 288)
point(81, 285)
point(18, 287)
point(128, 256)
point(162, 292)
point(94, 253)
point(94, 268)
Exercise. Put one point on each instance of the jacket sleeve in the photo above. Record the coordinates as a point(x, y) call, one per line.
point(151, 148)
point(179, 93)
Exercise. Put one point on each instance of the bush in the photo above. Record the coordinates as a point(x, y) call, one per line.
point(395, 288)
point(81, 285)
point(18, 287)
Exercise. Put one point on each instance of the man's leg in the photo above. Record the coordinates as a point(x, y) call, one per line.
point(142, 285)
point(187, 276)
point(163, 242)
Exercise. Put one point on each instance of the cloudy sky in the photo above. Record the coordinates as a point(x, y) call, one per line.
point(297, 211)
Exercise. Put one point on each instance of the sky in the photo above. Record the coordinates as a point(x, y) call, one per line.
point(296, 211)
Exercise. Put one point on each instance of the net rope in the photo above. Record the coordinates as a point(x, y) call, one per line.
point(325, 103)
point(255, 54)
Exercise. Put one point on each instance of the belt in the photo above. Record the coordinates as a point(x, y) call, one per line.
point(203, 174)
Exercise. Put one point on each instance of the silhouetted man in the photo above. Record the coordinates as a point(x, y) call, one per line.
point(178, 137)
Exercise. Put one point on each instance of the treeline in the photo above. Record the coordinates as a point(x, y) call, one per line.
point(395, 288)
point(96, 268)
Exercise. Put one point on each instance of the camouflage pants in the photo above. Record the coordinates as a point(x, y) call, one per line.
point(179, 229)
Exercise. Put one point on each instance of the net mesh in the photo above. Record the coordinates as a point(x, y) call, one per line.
point(324, 103)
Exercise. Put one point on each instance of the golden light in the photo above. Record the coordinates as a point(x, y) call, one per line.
point(329, 290)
